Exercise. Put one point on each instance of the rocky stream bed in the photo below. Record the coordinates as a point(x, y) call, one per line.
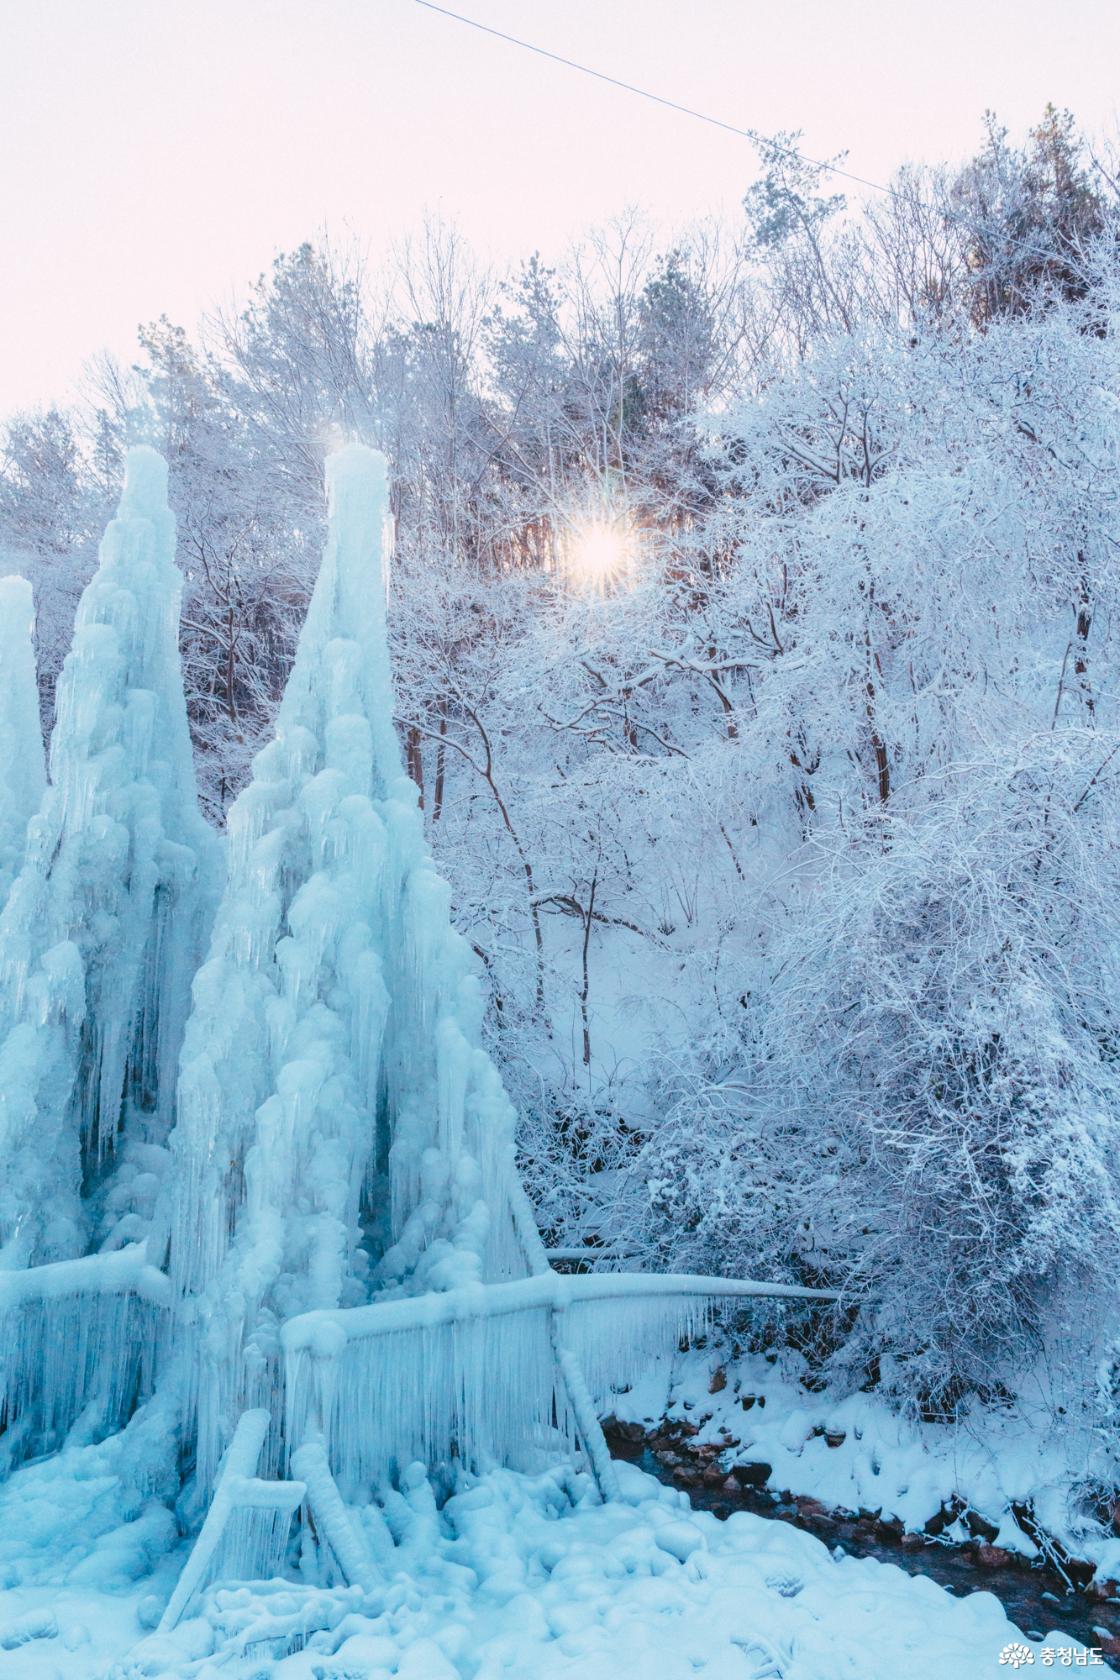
point(1057, 1591)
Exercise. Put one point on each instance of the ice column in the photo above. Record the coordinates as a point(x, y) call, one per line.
point(22, 771)
point(339, 1128)
point(103, 924)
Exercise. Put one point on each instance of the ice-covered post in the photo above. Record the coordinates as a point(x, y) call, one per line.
point(257, 1547)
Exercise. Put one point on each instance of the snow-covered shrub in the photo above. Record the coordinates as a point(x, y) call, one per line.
point(939, 1041)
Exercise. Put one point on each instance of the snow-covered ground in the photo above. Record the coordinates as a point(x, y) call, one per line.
point(525, 1577)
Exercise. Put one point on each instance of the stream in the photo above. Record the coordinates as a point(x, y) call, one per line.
point(1035, 1598)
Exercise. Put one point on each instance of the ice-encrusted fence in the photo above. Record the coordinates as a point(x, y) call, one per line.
point(481, 1370)
point(77, 1336)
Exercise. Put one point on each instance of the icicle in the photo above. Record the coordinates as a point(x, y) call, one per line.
point(489, 1372)
point(481, 1390)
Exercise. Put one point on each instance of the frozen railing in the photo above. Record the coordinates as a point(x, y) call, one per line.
point(73, 1335)
point(491, 1367)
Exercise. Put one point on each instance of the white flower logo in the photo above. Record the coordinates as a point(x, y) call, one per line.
point(1016, 1656)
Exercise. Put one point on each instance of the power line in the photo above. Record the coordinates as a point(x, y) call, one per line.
point(657, 98)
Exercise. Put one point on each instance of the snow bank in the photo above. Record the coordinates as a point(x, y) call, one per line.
point(530, 1576)
point(854, 1452)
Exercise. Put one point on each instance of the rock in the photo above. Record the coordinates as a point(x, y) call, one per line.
point(624, 1430)
point(943, 1519)
point(747, 1401)
point(732, 1485)
point(913, 1542)
point(715, 1476)
point(979, 1527)
point(811, 1510)
point(1104, 1588)
point(751, 1475)
point(719, 1380)
point(992, 1557)
point(1109, 1645)
point(835, 1437)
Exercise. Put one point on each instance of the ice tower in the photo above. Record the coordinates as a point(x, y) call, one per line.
point(340, 1132)
point(22, 773)
point(103, 925)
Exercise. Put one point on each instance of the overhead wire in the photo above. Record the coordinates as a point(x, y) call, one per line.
point(659, 99)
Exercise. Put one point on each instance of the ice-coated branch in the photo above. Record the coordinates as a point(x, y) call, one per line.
point(331, 1517)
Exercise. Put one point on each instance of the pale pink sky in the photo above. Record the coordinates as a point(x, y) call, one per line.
point(154, 154)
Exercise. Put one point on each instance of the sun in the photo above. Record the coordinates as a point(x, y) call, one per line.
point(598, 553)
